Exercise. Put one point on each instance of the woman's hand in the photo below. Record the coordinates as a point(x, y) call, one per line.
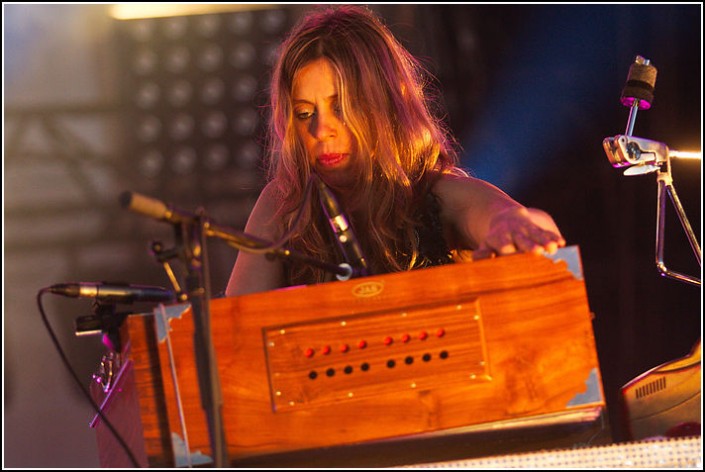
point(520, 230)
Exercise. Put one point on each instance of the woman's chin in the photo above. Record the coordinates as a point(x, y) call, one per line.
point(336, 177)
point(338, 183)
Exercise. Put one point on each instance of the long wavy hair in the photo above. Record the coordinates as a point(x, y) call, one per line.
point(386, 97)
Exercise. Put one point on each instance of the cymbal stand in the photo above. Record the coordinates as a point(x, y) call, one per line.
point(643, 156)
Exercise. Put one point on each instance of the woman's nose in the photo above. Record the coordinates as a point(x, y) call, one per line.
point(326, 126)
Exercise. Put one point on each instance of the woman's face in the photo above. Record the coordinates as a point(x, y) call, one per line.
point(319, 123)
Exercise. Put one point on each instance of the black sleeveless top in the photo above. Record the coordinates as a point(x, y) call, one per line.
point(433, 249)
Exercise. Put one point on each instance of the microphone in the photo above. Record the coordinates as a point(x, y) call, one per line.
point(344, 235)
point(116, 293)
point(165, 212)
point(154, 208)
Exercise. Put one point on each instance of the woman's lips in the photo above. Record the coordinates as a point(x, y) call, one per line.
point(331, 159)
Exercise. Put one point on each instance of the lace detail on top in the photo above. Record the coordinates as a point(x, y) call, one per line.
point(433, 249)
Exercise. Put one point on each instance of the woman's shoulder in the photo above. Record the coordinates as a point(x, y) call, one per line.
point(263, 218)
point(270, 197)
point(452, 182)
point(270, 189)
point(458, 192)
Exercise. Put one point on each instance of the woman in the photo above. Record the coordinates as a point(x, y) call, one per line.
point(349, 104)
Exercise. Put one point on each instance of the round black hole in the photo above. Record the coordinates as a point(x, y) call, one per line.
point(391, 363)
point(348, 369)
point(330, 372)
point(444, 355)
point(365, 367)
point(409, 360)
point(426, 357)
point(312, 375)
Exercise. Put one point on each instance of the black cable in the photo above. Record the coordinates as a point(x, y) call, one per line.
point(84, 390)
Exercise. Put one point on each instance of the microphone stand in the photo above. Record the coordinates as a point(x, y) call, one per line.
point(191, 247)
point(160, 211)
point(250, 243)
point(198, 291)
point(191, 233)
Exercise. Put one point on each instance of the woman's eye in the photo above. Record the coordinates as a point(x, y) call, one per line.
point(304, 114)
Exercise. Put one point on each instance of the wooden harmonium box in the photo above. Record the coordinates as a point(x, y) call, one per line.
point(495, 344)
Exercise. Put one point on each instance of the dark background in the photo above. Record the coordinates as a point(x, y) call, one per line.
point(530, 90)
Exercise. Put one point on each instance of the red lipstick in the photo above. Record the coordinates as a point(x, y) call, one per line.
point(331, 159)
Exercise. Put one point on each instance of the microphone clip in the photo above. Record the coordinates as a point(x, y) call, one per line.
point(104, 320)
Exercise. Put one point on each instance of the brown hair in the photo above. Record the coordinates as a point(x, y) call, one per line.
point(384, 96)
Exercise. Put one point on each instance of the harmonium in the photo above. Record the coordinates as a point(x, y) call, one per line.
point(446, 362)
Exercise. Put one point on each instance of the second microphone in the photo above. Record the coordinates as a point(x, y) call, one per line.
point(344, 235)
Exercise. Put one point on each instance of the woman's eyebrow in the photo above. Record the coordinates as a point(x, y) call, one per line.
point(328, 99)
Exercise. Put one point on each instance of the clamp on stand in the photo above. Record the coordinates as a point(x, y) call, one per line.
point(104, 320)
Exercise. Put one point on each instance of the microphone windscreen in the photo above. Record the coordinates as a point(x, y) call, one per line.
point(144, 205)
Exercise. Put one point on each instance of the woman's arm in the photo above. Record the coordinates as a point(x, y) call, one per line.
point(254, 272)
point(483, 218)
